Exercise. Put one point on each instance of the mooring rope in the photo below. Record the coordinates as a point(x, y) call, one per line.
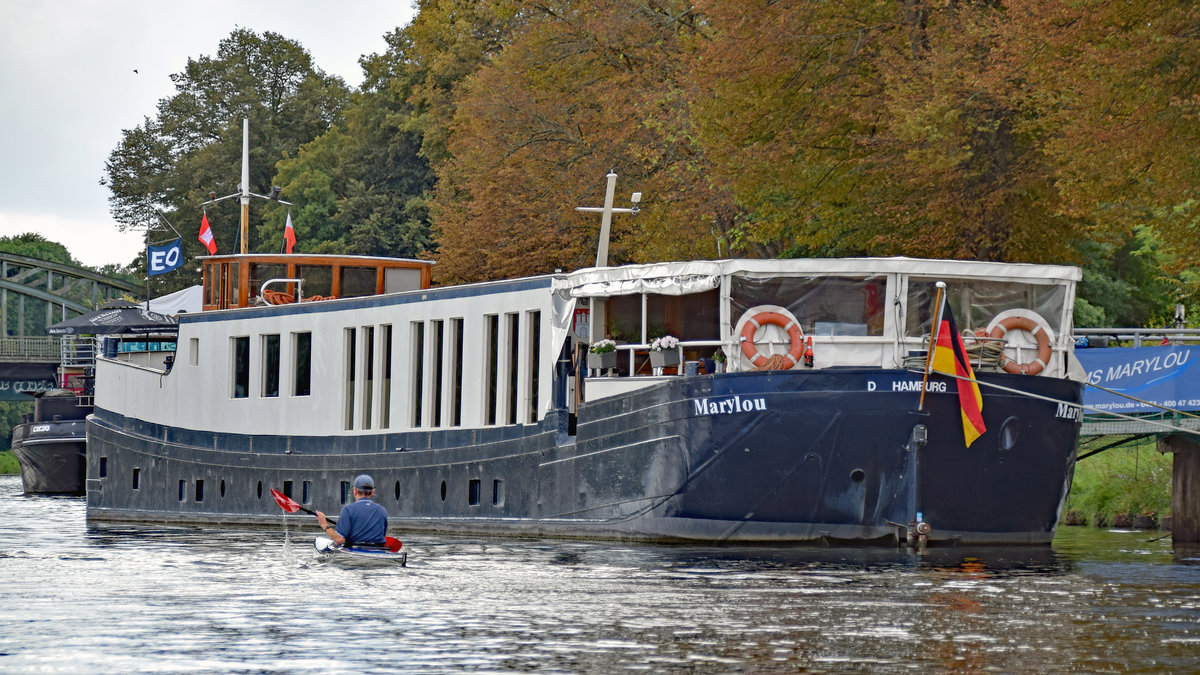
point(1141, 420)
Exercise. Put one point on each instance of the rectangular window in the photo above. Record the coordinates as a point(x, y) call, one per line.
point(182, 489)
point(497, 493)
point(345, 491)
point(416, 386)
point(473, 492)
point(348, 368)
point(199, 489)
point(385, 385)
point(533, 363)
point(260, 272)
point(514, 347)
point(270, 361)
point(287, 488)
point(194, 351)
point(137, 478)
point(456, 371)
point(241, 367)
point(302, 364)
point(318, 279)
point(103, 467)
point(491, 339)
point(435, 380)
point(356, 281)
point(306, 495)
point(368, 375)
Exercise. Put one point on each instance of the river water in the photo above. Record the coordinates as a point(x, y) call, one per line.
point(95, 598)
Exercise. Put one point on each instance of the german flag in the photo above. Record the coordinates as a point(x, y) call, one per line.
point(950, 357)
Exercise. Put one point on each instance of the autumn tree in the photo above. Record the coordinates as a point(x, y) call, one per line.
point(579, 90)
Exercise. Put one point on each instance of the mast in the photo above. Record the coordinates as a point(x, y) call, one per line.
point(245, 185)
point(244, 190)
point(607, 212)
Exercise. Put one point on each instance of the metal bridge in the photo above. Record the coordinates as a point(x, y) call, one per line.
point(34, 294)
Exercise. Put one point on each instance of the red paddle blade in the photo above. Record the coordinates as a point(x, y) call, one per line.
point(285, 502)
point(393, 544)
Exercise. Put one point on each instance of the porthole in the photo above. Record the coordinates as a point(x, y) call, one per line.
point(222, 487)
point(397, 490)
point(260, 489)
point(443, 490)
point(1010, 433)
point(858, 475)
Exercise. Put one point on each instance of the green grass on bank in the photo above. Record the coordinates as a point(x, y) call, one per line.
point(1129, 480)
point(8, 462)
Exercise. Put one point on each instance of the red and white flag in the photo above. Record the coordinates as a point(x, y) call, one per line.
point(206, 236)
point(289, 235)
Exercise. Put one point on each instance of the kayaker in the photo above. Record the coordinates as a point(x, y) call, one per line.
point(362, 521)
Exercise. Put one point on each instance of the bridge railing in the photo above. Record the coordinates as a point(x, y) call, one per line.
point(30, 349)
point(1102, 337)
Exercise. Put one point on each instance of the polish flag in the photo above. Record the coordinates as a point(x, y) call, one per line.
point(206, 236)
point(289, 235)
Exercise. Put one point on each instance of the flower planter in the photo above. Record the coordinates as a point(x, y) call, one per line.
point(602, 361)
point(664, 358)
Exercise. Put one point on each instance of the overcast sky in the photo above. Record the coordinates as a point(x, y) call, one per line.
point(68, 89)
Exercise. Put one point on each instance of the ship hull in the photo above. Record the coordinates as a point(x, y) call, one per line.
point(827, 456)
point(51, 455)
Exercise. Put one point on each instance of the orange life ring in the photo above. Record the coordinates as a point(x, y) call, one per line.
point(762, 318)
point(1043, 341)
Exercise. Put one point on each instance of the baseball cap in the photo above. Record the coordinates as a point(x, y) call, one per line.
point(364, 482)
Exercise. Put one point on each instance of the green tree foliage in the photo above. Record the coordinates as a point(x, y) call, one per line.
point(361, 187)
point(193, 146)
point(34, 245)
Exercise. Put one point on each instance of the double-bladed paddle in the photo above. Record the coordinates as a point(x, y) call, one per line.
point(291, 506)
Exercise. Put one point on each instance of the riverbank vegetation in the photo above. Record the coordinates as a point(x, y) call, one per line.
point(1126, 486)
point(8, 462)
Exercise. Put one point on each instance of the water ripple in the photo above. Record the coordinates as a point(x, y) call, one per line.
point(125, 598)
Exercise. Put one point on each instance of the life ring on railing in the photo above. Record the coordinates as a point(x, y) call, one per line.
point(1035, 328)
point(781, 318)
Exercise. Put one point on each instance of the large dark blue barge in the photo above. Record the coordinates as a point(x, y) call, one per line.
point(476, 411)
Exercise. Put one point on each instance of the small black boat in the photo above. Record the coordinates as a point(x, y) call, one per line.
point(50, 444)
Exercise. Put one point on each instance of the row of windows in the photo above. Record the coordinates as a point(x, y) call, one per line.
point(474, 488)
point(436, 363)
point(269, 349)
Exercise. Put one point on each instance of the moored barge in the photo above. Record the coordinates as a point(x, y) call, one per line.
point(479, 408)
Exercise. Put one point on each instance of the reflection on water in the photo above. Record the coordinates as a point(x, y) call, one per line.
point(100, 598)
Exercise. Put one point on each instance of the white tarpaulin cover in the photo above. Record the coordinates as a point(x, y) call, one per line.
point(681, 278)
point(188, 300)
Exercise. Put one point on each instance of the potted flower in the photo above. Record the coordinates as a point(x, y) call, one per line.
point(718, 358)
point(664, 351)
point(602, 355)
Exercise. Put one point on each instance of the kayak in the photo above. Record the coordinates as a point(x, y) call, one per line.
point(364, 555)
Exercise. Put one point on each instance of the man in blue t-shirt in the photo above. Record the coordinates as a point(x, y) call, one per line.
point(361, 522)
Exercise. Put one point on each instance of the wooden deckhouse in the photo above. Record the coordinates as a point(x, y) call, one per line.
point(247, 280)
